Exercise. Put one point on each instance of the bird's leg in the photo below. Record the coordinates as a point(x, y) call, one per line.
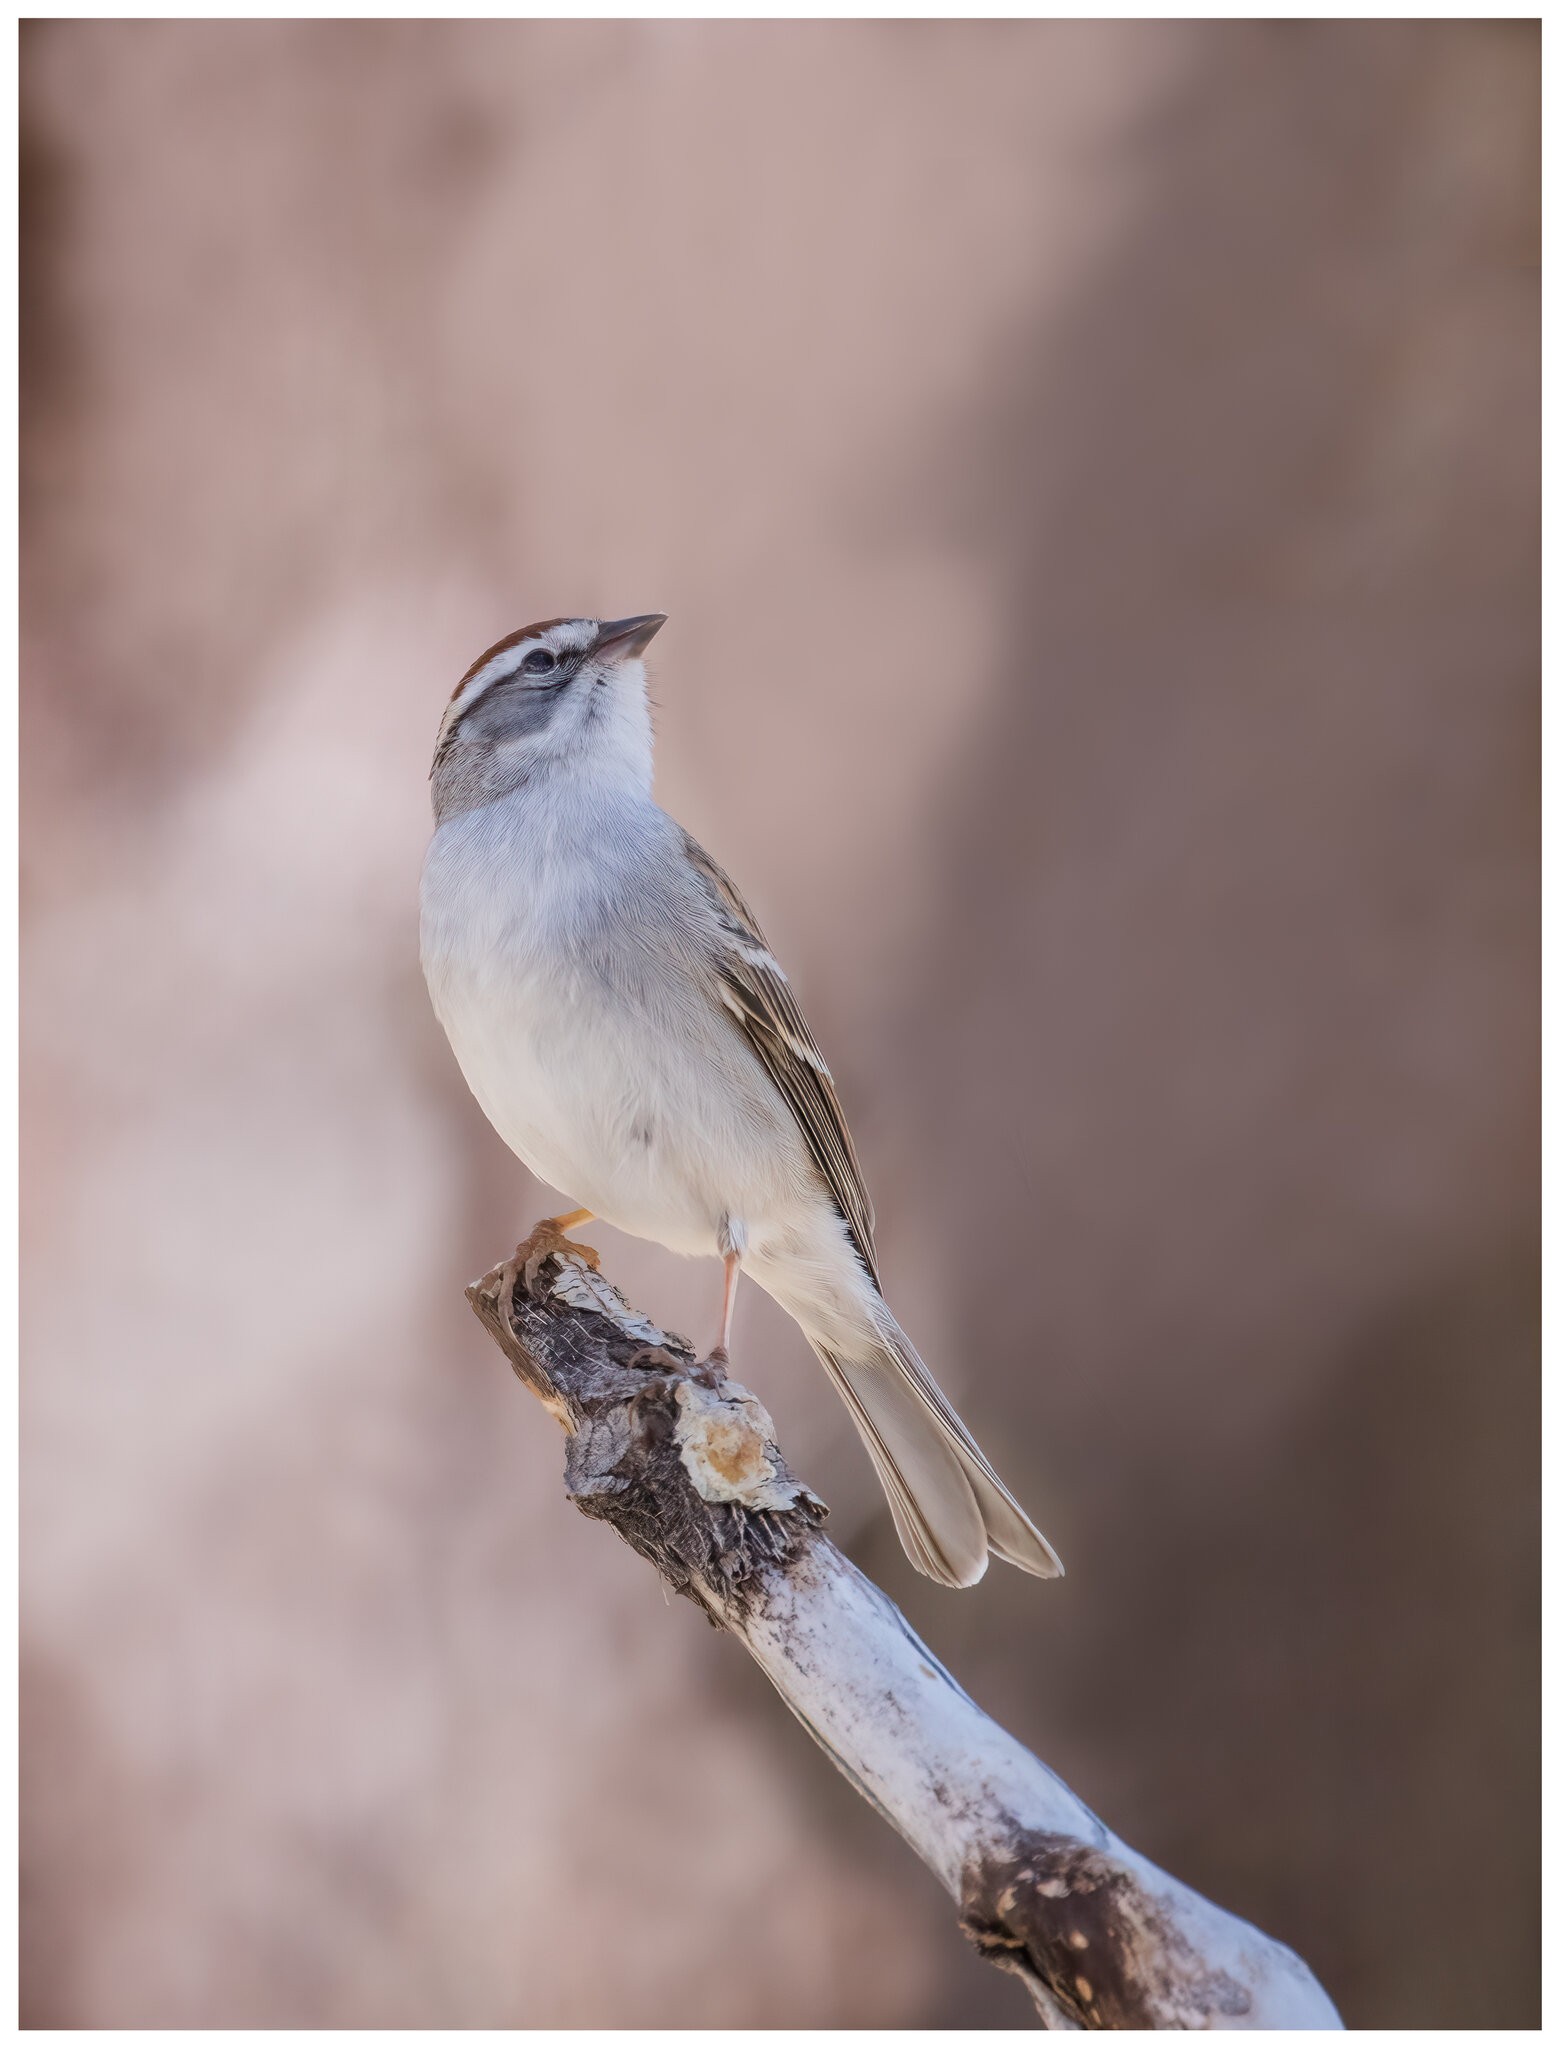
point(720, 1357)
point(571, 1221)
point(548, 1239)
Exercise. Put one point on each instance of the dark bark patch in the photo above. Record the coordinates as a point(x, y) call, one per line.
point(1062, 1915)
point(616, 1395)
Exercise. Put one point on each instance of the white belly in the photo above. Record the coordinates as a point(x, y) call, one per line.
point(559, 1086)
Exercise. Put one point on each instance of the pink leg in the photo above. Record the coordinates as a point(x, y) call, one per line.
point(733, 1270)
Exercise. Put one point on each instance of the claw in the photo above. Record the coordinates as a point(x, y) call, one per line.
point(548, 1241)
point(712, 1371)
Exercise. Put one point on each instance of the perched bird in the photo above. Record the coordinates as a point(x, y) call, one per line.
point(619, 1017)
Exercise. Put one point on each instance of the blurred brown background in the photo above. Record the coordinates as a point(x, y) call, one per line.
point(1092, 474)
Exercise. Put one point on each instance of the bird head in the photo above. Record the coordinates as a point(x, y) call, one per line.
point(564, 694)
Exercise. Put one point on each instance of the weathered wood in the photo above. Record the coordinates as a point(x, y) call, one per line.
point(682, 1462)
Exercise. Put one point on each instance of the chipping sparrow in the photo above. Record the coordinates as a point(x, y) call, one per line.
point(620, 1019)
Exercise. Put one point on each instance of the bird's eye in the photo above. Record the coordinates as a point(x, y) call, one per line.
point(538, 662)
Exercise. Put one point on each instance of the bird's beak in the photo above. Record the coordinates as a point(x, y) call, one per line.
point(623, 637)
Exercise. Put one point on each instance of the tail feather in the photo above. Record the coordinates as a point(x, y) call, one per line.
point(948, 1505)
point(934, 1509)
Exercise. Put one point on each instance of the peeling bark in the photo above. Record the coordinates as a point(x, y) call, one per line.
point(682, 1462)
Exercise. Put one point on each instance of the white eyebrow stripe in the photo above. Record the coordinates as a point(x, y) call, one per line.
point(495, 671)
point(572, 637)
point(500, 666)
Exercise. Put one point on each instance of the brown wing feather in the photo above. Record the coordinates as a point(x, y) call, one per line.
point(759, 998)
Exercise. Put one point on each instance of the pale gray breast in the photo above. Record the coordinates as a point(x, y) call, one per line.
point(589, 902)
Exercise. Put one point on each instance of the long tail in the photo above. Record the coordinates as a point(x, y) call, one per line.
point(949, 1507)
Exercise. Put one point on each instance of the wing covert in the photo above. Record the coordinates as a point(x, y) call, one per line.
point(756, 992)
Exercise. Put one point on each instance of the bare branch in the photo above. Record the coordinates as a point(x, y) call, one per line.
point(682, 1462)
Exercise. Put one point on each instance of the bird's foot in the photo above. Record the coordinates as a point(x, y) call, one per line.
point(549, 1241)
point(713, 1370)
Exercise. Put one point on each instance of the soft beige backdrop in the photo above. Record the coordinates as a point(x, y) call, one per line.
point(1091, 472)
